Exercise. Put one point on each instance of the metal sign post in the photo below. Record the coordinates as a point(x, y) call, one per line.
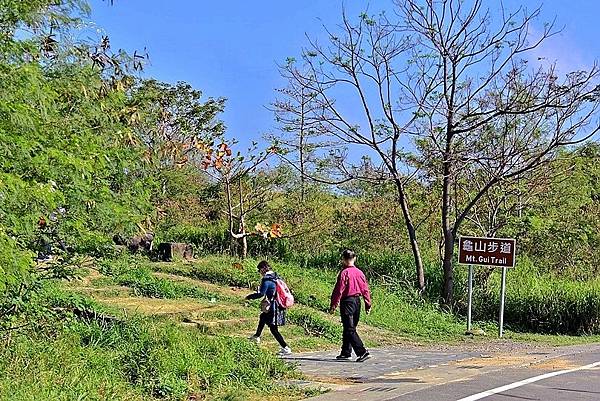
point(469, 309)
point(502, 296)
point(483, 251)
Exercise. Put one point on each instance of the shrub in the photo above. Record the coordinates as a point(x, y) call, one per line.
point(213, 240)
point(395, 270)
point(23, 282)
point(15, 271)
point(543, 303)
point(206, 240)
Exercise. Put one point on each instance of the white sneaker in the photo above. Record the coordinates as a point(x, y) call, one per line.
point(284, 351)
point(254, 339)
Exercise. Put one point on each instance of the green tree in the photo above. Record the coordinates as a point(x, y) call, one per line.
point(560, 230)
point(173, 123)
point(67, 156)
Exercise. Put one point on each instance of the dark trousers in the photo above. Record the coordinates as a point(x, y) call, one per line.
point(267, 318)
point(350, 311)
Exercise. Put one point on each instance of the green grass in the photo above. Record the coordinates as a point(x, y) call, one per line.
point(422, 322)
point(144, 283)
point(399, 311)
point(308, 329)
point(137, 358)
point(314, 324)
point(140, 359)
point(61, 369)
point(541, 303)
point(554, 340)
point(156, 358)
point(535, 301)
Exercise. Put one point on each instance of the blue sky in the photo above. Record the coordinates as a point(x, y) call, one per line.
point(230, 48)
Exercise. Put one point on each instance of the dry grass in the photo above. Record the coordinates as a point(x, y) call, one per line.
point(228, 291)
point(156, 306)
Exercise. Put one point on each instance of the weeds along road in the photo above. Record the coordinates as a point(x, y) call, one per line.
point(551, 374)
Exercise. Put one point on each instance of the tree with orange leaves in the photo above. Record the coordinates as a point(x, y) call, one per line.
point(247, 189)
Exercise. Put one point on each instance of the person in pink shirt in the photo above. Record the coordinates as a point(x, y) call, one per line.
point(351, 285)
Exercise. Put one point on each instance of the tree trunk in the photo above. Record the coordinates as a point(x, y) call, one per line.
point(448, 290)
point(244, 239)
point(244, 250)
point(233, 241)
point(412, 235)
point(302, 174)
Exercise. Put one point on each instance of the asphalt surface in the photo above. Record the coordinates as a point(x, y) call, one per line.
point(531, 382)
point(553, 374)
point(382, 362)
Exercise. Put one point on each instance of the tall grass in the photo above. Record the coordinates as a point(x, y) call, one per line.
point(535, 301)
point(396, 270)
point(206, 240)
point(134, 360)
point(543, 303)
point(93, 356)
point(215, 240)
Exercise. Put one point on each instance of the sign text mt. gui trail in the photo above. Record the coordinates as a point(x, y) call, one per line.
point(487, 251)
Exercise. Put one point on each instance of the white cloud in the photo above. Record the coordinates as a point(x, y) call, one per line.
point(559, 49)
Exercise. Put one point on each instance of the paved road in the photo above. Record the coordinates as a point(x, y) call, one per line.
point(556, 374)
point(384, 361)
point(574, 377)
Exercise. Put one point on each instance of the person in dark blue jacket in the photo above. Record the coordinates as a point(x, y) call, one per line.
point(273, 315)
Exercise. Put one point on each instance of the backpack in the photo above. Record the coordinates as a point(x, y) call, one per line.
point(283, 295)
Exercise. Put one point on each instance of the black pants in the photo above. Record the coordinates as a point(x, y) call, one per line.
point(267, 318)
point(350, 311)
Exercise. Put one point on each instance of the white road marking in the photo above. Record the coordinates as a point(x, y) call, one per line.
point(502, 389)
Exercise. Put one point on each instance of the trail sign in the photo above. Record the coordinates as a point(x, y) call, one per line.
point(487, 251)
point(499, 252)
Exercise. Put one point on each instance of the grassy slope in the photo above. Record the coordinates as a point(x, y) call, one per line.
point(312, 288)
point(142, 359)
point(184, 328)
point(395, 318)
point(401, 318)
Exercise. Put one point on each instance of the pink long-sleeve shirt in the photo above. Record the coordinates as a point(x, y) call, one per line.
point(351, 281)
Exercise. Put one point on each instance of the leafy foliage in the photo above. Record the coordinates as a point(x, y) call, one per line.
point(66, 156)
point(565, 219)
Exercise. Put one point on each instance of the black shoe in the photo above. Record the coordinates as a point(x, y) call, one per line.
point(342, 357)
point(363, 357)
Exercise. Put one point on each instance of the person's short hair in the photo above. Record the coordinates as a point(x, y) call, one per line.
point(263, 264)
point(348, 254)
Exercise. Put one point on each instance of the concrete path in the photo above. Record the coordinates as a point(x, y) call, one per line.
point(572, 377)
point(323, 365)
point(451, 374)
